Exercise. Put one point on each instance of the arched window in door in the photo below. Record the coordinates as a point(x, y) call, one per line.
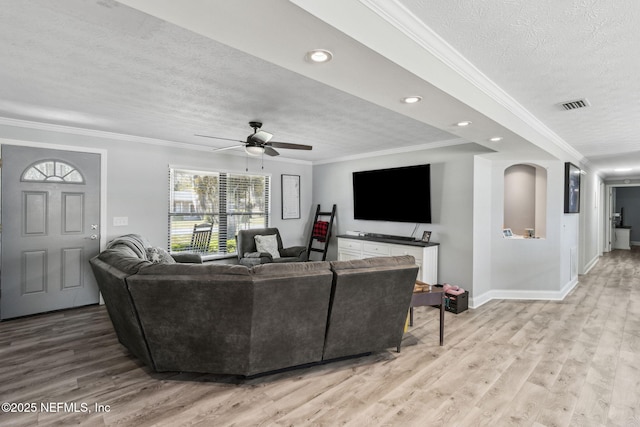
point(52, 171)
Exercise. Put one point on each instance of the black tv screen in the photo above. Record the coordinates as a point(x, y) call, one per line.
point(397, 194)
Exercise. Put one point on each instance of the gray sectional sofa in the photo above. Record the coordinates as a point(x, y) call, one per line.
point(232, 319)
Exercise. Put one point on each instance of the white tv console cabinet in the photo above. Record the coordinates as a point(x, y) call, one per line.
point(358, 247)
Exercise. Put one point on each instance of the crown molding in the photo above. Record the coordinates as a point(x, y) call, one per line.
point(391, 151)
point(49, 127)
point(396, 14)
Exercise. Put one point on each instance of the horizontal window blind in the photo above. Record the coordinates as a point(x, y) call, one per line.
point(228, 201)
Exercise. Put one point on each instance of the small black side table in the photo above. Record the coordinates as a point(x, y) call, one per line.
point(434, 296)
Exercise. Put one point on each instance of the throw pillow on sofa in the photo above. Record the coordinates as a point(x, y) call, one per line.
point(159, 256)
point(268, 244)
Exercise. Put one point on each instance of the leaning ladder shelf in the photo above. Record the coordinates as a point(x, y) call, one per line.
point(321, 232)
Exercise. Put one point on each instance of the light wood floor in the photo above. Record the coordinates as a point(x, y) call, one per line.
point(538, 363)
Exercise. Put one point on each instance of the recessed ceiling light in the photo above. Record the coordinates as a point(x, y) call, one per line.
point(412, 99)
point(622, 169)
point(463, 124)
point(319, 56)
point(495, 139)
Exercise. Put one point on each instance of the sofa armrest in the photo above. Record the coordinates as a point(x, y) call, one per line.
point(299, 252)
point(190, 258)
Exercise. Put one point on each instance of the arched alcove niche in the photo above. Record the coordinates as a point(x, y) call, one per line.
point(525, 199)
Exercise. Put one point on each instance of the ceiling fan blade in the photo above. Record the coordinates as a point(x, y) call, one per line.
point(227, 148)
point(270, 152)
point(261, 137)
point(290, 146)
point(217, 137)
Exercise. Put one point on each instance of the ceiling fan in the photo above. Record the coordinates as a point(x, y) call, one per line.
point(259, 142)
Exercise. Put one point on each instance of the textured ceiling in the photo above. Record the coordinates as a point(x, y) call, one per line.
point(104, 66)
point(98, 64)
point(545, 52)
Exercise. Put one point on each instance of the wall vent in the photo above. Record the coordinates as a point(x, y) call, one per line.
point(573, 105)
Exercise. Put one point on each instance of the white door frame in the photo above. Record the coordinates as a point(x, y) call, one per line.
point(103, 174)
point(609, 213)
point(608, 222)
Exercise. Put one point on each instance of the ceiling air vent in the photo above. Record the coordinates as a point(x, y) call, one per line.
point(574, 105)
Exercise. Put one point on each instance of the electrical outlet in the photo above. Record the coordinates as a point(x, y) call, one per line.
point(119, 221)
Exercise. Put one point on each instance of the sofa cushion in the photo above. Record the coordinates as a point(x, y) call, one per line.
point(284, 260)
point(290, 269)
point(159, 256)
point(370, 301)
point(208, 269)
point(268, 243)
point(391, 261)
point(187, 257)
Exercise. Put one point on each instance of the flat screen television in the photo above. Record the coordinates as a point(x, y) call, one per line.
point(398, 194)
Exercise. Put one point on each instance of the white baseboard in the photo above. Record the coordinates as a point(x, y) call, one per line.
point(479, 300)
point(591, 264)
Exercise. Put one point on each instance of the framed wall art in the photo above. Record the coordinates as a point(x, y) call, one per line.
point(290, 196)
point(571, 188)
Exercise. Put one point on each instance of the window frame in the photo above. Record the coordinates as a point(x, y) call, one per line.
point(223, 226)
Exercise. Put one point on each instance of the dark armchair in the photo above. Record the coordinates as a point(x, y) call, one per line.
point(249, 255)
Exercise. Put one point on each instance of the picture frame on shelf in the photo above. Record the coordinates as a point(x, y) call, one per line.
point(426, 236)
point(507, 233)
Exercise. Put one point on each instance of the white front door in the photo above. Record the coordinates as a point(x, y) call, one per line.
point(50, 229)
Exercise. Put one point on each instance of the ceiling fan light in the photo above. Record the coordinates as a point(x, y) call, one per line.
point(253, 150)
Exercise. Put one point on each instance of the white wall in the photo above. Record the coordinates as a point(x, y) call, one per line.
point(521, 268)
point(592, 220)
point(519, 198)
point(137, 180)
point(483, 232)
point(451, 203)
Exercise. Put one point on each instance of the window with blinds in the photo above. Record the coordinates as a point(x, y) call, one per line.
point(227, 201)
